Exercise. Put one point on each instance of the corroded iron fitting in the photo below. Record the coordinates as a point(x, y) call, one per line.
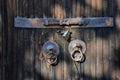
point(50, 51)
point(77, 48)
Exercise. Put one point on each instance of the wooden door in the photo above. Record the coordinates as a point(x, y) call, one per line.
point(22, 47)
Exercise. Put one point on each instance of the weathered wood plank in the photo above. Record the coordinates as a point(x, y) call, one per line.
point(29, 44)
point(69, 66)
point(20, 41)
point(99, 51)
point(43, 65)
point(111, 40)
point(92, 42)
point(38, 12)
point(81, 66)
point(99, 74)
point(4, 45)
point(116, 56)
point(10, 20)
point(93, 53)
point(19, 54)
point(81, 36)
point(111, 53)
point(15, 46)
point(105, 44)
point(0, 39)
point(15, 51)
point(87, 38)
point(38, 8)
point(74, 66)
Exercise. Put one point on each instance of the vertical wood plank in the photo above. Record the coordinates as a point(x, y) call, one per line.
point(112, 43)
point(92, 43)
point(87, 38)
point(29, 44)
point(68, 10)
point(99, 50)
point(38, 62)
point(38, 8)
point(65, 64)
point(38, 42)
point(69, 62)
point(19, 41)
point(74, 7)
point(15, 47)
point(116, 59)
point(61, 67)
point(107, 43)
point(4, 45)
point(15, 51)
point(44, 68)
point(78, 6)
point(93, 53)
point(93, 4)
point(0, 39)
point(81, 36)
point(99, 56)
point(19, 54)
point(74, 66)
point(10, 54)
point(111, 53)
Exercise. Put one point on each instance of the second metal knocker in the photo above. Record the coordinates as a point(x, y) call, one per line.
point(77, 49)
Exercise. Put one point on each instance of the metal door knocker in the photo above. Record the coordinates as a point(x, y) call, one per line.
point(50, 51)
point(77, 49)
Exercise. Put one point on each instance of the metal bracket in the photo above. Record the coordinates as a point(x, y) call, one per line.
point(67, 22)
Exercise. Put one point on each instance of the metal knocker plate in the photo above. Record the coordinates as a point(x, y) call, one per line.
point(50, 51)
point(77, 49)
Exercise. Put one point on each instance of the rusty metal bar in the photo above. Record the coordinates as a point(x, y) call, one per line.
point(67, 22)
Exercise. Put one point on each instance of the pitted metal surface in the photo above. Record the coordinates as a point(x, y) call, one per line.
point(50, 51)
point(76, 43)
point(76, 49)
point(58, 23)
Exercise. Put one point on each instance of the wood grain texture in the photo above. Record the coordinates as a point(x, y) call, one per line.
point(0, 39)
point(4, 45)
point(21, 47)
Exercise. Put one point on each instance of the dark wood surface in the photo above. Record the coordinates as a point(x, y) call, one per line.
point(0, 39)
point(21, 48)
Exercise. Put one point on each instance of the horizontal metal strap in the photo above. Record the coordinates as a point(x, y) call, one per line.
point(67, 22)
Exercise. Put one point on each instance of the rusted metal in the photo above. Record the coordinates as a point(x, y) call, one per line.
point(76, 49)
point(67, 22)
point(50, 51)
